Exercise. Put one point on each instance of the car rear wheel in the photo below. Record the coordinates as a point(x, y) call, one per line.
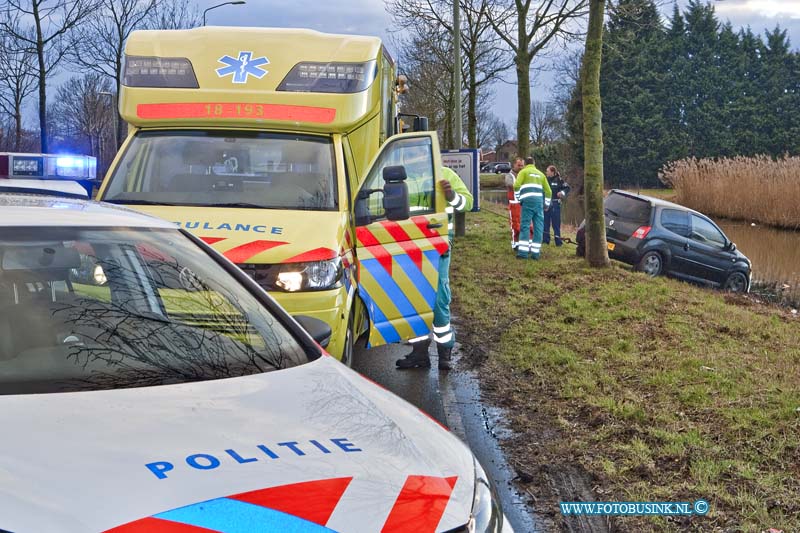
point(651, 264)
point(736, 282)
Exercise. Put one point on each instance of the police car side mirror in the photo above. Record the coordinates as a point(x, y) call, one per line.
point(395, 193)
point(320, 331)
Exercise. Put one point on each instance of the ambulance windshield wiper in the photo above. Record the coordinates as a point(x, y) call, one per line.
point(237, 204)
point(132, 201)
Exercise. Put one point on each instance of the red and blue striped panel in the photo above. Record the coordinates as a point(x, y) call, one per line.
point(398, 275)
point(297, 508)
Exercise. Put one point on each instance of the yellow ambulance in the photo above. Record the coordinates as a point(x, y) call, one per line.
point(279, 148)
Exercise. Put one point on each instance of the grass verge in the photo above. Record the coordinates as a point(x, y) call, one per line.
point(658, 390)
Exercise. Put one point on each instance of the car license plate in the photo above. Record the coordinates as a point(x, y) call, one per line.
point(611, 246)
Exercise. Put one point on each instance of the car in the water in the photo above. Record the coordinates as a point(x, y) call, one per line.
point(147, 384)
point(661, 237)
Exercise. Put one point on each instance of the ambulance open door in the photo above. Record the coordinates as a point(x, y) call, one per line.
point(401, 231)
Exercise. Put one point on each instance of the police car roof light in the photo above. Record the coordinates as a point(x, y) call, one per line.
point(159, 72)
point(69, 162)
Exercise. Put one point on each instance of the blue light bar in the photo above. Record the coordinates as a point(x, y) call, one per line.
point(69, 162)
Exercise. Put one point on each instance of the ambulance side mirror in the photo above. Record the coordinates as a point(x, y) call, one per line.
point(395, 193)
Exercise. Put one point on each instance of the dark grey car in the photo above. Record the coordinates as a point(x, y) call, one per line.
point(660, 237)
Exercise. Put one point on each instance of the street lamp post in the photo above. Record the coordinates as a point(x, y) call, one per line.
point(237, 3)
point(115, 112)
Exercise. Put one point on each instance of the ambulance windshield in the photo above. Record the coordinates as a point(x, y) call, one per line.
point(226, 168)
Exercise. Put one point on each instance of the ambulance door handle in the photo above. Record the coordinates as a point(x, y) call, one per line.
point(434, 225)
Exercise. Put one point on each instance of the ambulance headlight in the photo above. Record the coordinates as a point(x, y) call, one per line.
point(486, 514)
point(162, 72)
point(296, 277)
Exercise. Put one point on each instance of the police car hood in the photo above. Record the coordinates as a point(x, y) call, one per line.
point(311, 448)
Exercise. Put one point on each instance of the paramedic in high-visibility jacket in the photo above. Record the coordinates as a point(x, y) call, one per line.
point(459, 199)
point(514, 209)
point(533, 192)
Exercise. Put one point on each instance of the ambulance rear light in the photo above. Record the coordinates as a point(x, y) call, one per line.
point(159, 72)
point(330, 77)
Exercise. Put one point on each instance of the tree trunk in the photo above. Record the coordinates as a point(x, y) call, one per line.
point(596, 247)
point(523, 63)
point(472, 104)
point(42, 80)
point(18, 127)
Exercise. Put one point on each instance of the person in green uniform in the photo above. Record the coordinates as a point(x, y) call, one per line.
point(533, 192)
point(459, 199)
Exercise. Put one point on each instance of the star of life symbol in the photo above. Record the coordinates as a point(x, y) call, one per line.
point(242, 67)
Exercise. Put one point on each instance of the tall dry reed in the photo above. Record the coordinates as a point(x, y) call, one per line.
point(757, 189)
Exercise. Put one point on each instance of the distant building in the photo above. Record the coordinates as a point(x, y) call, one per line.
point(506, 151)
point(488, 156)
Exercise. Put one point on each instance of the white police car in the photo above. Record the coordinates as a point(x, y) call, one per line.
point(146, 384)
point(42, 186)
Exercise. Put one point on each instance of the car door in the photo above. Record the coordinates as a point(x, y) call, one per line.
point(676, 224)
point(706, 253)
point(398, 260)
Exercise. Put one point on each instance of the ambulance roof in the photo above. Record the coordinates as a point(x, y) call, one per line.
point(247, 66)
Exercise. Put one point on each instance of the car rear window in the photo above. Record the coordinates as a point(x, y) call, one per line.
point(627, 207)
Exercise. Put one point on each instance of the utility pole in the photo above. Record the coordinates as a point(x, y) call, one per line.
point(457, 73)
point(460, 222)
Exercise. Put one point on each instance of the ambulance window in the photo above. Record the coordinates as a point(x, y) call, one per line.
point(416, 155)
point(227, 169)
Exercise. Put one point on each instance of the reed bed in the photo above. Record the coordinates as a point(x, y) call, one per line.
point(755, 189)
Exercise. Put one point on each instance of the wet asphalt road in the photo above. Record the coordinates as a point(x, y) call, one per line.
point(452, 398)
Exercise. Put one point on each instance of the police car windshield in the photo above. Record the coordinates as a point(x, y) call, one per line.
point(220, 168)
point(87, 309)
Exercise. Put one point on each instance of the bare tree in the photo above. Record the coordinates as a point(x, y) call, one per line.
point(99, 43)
point(544, 123)
point(483, 58)
point(500, 134)
point(426, 60)
point(174, 15)
point(17, 82)
point(81, 114)
point(528, 27)
point(41, 27)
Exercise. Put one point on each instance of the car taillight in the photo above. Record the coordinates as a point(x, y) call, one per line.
point(642, 232)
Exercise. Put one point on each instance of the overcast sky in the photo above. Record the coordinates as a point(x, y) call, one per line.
point(369, 17)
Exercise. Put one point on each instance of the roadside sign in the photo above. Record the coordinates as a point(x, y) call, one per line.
point(465, 163)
